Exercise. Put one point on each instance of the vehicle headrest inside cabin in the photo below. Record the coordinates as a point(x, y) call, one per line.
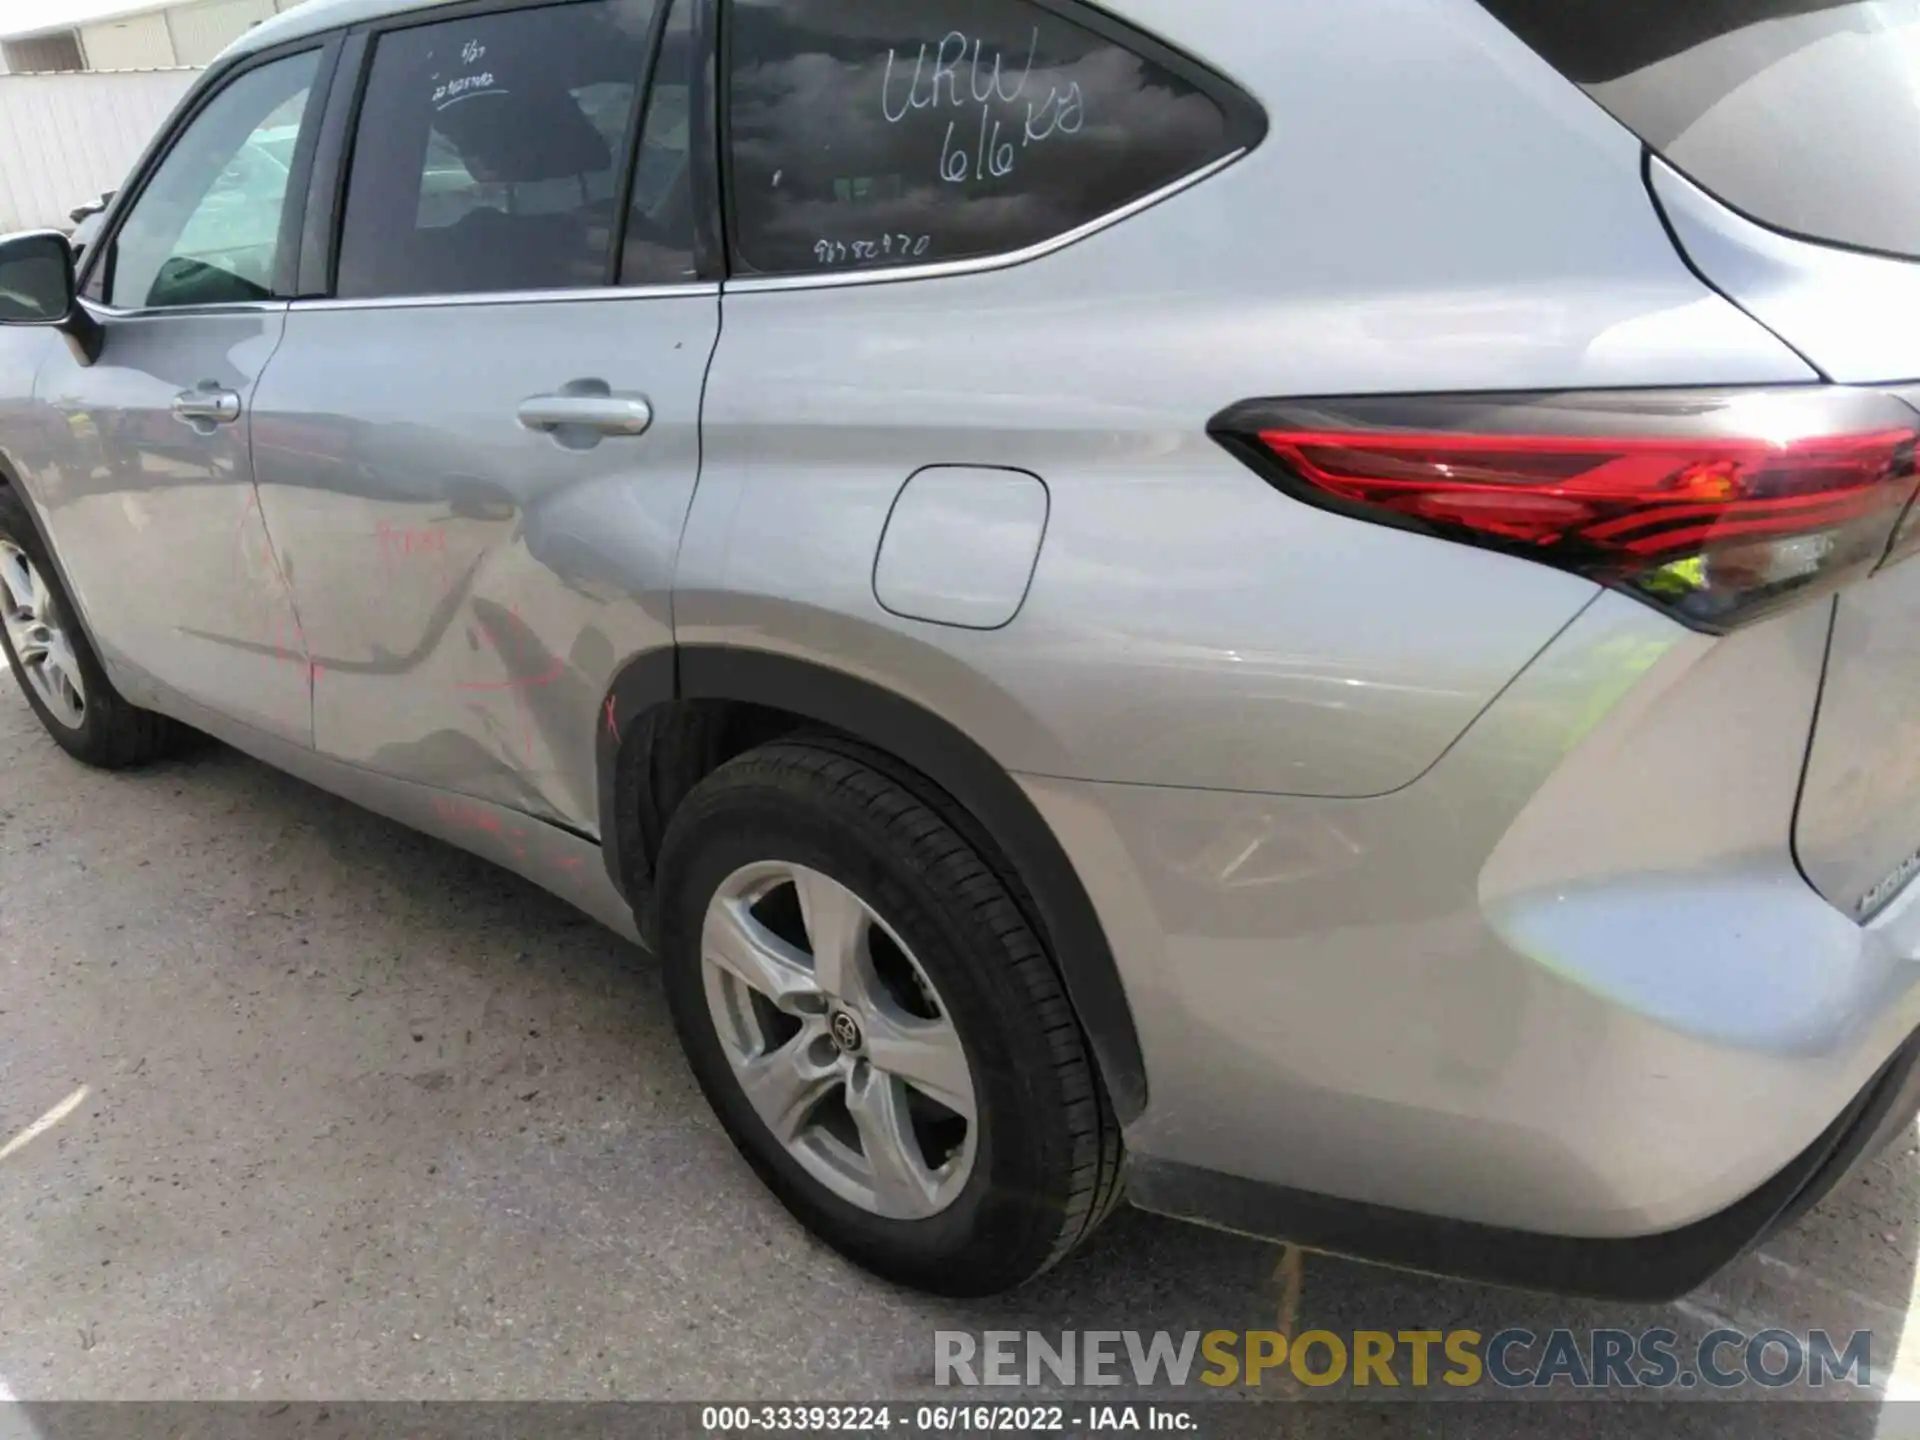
point(514, 123)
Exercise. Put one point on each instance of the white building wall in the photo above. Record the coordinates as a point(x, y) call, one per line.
point(203, 30)
point(137, 42)
point(69, 137)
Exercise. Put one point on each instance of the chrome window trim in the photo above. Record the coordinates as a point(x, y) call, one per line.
point(157, 312)
point(692, 290)
point(985, 263)
point(709, 288)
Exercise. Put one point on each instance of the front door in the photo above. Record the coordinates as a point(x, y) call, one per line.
point(145, 471)
point(478, 453)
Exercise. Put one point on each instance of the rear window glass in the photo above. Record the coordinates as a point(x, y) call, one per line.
point(875, 133)
point(1804, 114)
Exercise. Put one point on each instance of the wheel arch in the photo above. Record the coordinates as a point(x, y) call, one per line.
point(673, 716)
point(12, 479)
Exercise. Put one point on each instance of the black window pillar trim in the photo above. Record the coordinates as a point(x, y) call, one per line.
point(319, 232)
point(708, 143)
point(636, 137)
point(293, 215)
point(970, 778)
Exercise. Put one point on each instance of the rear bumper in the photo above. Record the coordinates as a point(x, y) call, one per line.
point(1641, 1268)
point(1569, 986)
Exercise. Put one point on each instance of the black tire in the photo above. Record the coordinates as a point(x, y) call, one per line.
point(1048, 1161)
point(112, 734)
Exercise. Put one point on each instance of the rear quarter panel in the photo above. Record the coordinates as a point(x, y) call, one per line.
point(1433, 209)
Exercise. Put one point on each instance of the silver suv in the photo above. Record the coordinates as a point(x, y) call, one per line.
point(1295, 612)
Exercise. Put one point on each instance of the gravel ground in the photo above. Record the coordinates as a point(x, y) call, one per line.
point(361, 1117)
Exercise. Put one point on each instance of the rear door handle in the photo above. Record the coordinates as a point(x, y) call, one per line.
point(208, 405)
point(603, 414)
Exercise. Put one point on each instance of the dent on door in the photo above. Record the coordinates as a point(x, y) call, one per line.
point(480, 520)
point(145, 481)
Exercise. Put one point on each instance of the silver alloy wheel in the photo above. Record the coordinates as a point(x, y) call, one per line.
point(46, 656)
point(841, 1043)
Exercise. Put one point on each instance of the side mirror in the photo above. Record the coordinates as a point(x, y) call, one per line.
point(36, 288)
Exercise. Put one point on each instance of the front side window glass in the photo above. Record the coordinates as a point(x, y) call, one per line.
point(207, 228)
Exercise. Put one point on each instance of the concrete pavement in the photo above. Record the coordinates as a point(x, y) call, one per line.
point(350, 1115)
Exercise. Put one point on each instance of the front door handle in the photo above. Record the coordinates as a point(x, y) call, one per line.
point(207, 406)
point(600, 414)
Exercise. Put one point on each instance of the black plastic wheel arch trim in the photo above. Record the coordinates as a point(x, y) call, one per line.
point(648, 682)
point(1640, 1268)
point(916, 737)
point(10, 479)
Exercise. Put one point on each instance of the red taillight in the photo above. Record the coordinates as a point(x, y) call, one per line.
point(1718, 507)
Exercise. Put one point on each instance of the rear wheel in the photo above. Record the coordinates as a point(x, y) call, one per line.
point(877, 1025)
point(55, 662)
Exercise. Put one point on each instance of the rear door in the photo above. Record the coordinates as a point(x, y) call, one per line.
point(1786, 157)
point(146, 473)
point(478, 446)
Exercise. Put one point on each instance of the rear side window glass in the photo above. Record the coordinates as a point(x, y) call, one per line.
point(1803, 114)
point(864, 134)
point(490, 152)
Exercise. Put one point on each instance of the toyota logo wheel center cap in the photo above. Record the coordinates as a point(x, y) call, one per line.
point(845, 1031)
